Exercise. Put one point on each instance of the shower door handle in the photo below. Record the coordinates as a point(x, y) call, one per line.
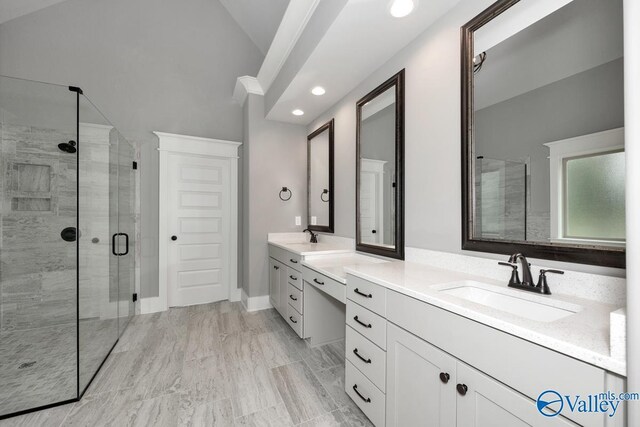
point(126, 243)
point(113, 244)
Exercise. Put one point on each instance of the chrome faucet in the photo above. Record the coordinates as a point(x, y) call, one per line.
point(314, 236)
point(527, 280)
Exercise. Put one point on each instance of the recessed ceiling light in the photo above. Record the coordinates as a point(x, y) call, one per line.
point(297, 112)
point(318, 90)
point(401, 8)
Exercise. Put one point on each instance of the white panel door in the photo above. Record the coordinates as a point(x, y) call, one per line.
point(369, 208)
point(198, 229)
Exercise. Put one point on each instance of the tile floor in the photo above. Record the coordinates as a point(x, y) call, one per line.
point(207, 365)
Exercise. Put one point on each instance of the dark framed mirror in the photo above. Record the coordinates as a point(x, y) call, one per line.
point(320, 179)
point(543, 158)
point(380, 170)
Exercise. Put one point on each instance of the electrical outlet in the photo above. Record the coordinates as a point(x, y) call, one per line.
point(298, 220)
point(314, 220)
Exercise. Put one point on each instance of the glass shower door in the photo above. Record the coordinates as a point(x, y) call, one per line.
point(98, 223)
point(126, 240)
point(38, 263)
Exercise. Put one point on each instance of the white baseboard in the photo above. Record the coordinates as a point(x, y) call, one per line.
point(152, 305)
point(255, 303)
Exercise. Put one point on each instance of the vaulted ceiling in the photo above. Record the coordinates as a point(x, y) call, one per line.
point(259, 19)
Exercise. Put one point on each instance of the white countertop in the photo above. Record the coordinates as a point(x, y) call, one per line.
point(333, 266)
point(584, 335)
point(306, 248)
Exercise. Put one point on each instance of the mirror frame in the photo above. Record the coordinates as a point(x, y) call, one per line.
point(396, 81)
point(587, 254)
point(323, 228)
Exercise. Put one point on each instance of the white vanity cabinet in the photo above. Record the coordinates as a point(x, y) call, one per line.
point(422, 390)
point(442, 369)
point(286, 289)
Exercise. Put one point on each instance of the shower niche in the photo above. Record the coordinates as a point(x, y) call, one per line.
point(66, 189)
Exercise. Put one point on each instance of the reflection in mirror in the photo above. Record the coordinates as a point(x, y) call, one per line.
point(320, 179)
point(545, 154)
point(379, 218)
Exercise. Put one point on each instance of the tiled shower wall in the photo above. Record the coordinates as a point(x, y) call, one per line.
point(37, 267)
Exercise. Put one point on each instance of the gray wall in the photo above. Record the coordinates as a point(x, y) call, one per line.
point(274, 155)
point(432, 137)
point(148, 65)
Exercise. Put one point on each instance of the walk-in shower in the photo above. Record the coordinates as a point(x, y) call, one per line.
point(66, 243)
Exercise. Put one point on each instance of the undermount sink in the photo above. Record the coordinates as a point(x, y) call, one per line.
point(520, 303)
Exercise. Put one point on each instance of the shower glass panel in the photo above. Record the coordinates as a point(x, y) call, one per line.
point(98, 222)
point(38, 263)
point(126, 226)
point(67, 203)
point(501, 199)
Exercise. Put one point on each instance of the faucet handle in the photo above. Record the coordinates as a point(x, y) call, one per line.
point(515, 279)
point(542, 280)
point(550, 270)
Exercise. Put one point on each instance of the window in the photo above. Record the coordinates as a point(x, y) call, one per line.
point(594, 197)
point(587, 188)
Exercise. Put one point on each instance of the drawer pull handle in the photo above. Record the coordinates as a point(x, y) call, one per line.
point(291, 296)
point(275, 267)
point(292, 277)
point(293, 260)
point(318, 282)
point(355, 351)
point(291, 318)
point(362, 323)
point(366, 399)
point(444, 377)
point(363, 294)
point(462, 389)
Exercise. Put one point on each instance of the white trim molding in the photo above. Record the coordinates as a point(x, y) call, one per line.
point(295, 19)
point(255, 303)
point(244, 86)
point(584, 145)
point(207, 147)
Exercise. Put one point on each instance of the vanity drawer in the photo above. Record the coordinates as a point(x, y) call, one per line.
point(292, 260)
point(365, 394)
point(369, 324)
point(295, 320)
point(367, 294)
point(294, 297)
point(329, 286)
point(367, 357)
point(294, 278)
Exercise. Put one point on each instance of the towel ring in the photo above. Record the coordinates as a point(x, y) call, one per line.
point(285, 190)
point(325, 191)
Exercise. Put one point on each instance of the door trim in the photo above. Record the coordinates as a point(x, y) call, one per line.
point(204, 147)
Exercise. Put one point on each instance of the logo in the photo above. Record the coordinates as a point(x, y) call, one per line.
point(550, 400)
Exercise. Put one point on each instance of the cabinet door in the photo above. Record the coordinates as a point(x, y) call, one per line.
point(283, 290)
point(275, 269)
point(421, 382)
point(485, 402)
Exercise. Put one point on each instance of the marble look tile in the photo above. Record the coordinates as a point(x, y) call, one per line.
point(275, 416)
point(332, 380)
point(203, 332)
point(206, 413)
point(330, 419)
point(302, 393)
point(208, 376)
point(52, 417)
point(353, 416)
point(325, 356)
